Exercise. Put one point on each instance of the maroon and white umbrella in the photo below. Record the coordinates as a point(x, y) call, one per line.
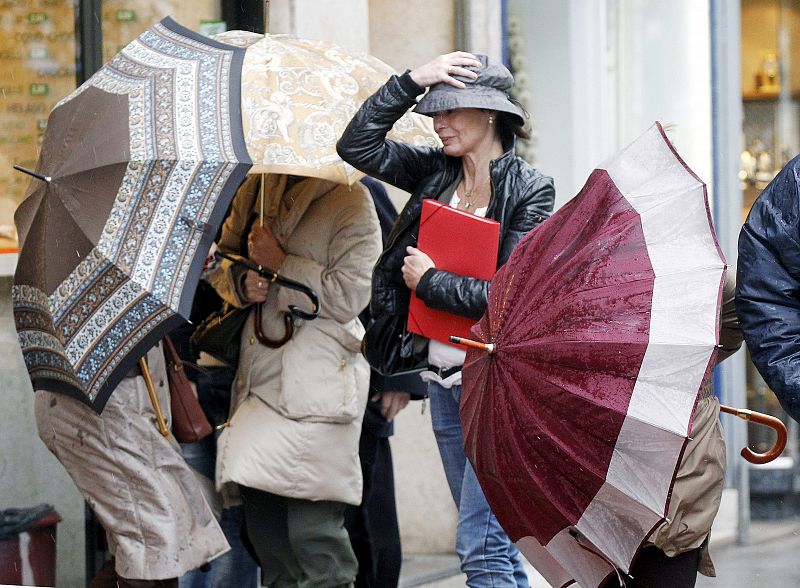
point(604, 325)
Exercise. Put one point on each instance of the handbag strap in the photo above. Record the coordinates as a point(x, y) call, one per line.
point(174, 358)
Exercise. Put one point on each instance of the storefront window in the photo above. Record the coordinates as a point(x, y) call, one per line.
point(771, 137)
point(37, 69)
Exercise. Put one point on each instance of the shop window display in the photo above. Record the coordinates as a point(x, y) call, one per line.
point(38, 43)
point(37, 69)
point(770, 62)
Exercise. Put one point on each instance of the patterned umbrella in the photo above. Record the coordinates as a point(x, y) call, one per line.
point(604, 324)
point(137, 169)
point(297, 98)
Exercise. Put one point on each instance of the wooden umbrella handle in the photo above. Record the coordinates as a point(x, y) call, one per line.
point(761, 419)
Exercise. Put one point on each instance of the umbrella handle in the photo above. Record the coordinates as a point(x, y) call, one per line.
point(262, 338)
point(151, 390)
point(761, 419)
point(273, 276)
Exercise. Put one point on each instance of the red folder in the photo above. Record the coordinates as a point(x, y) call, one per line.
point(459, 242)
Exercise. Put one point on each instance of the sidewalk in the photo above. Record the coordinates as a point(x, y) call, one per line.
point(771, 559)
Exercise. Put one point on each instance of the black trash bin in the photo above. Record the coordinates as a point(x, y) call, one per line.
point(28, 545)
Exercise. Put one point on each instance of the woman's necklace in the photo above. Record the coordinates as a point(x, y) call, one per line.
point(467, 198)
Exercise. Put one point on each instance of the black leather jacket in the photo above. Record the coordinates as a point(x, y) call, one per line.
point(521, 199)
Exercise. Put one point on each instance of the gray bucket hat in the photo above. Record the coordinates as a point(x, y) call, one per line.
point(489, 91)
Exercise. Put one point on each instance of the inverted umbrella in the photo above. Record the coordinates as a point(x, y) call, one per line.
point(298, 96)
point(136, 172)
point(602, 327)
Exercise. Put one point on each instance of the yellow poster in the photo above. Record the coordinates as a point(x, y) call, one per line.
point(37, 69)
point(38, 49)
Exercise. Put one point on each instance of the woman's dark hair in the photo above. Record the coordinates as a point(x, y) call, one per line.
point(508, 128)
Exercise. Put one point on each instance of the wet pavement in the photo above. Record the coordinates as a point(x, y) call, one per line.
point(772, 559)
point(767, 562)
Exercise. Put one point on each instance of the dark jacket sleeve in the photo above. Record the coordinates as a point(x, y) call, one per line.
point(410, 383)
point(364, 144)
point(730, 333)
point(768, 291)
point(443, 290)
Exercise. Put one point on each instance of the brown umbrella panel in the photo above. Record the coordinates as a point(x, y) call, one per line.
point(138, 167)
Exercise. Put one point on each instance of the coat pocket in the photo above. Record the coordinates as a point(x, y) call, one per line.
point(324, 378)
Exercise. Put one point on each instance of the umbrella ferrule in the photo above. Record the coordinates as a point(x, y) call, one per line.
point(38, 176)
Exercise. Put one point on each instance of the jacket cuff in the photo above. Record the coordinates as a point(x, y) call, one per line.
point(423, 286)
point(411, 383)
point(409, 85)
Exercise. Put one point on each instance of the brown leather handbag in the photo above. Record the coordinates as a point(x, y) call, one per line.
point(189, 422)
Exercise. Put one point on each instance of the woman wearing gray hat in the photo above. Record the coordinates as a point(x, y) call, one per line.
point(475, 170)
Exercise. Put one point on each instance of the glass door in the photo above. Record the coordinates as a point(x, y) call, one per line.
point(37, 69)
point(771, 137)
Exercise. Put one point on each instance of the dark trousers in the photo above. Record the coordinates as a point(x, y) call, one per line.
point(373, 528)
point(299, 543)
point(652, 568)
point(236, 568)
point(107, 578)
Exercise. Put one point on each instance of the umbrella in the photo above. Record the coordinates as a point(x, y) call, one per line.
point(298, 96)
point(136, 171)
point(601, 327)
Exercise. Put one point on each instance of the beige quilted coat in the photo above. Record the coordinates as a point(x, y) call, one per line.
point(297, 410)
point(697, 492)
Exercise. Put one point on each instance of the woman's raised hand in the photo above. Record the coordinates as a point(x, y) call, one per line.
point(444, 67)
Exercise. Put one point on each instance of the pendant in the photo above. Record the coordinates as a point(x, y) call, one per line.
point(467, 205)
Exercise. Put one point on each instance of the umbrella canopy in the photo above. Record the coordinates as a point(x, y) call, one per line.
point(604, 324)
point(137, 169)
point(297, 98)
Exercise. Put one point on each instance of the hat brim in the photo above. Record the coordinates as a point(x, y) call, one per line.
point(450, 98)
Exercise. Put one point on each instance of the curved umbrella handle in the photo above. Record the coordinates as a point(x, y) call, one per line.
point(273, 276)
point(312, 296)
point(288, 326)
point(761, 419)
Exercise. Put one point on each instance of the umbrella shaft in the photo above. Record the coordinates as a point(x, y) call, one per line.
point(151, 390)
point(487, 347)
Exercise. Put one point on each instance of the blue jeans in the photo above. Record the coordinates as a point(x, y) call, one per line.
point(488, 557)
point(236, 567)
